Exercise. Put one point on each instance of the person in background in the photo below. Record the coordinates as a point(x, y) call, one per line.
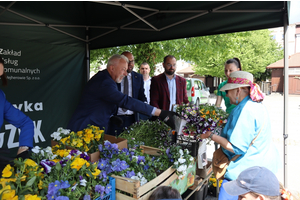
point(165, 192)
point(101, 98)
point(145, 71)
point(133, 86)
point(167, 88)
point(256, 183)
point(247, 123)
point(14, 116)
point(231, 65)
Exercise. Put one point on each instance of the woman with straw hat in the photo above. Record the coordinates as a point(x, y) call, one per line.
point(248, 121)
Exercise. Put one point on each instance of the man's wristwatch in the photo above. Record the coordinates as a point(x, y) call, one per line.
point(210, 136)
point(25, 148)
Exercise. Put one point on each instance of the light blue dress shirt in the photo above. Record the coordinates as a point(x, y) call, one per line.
point(172, 90)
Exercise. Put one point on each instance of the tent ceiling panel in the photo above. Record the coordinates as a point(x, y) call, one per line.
point(122, 23)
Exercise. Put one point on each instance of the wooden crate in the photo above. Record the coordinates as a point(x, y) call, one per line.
point(143, 192)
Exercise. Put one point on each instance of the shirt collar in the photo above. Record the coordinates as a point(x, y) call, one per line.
point(168, 77)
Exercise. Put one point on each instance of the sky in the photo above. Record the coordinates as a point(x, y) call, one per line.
point(295, 12)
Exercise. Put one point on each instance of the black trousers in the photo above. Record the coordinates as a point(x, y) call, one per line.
point(115, 130)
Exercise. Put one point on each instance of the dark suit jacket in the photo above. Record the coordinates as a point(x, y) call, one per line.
point(137, 89)
point(160, 95)
point(100, 100)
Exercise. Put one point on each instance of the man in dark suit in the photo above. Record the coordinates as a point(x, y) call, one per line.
point(101, 98)
point(135, 89)
point(167, 88)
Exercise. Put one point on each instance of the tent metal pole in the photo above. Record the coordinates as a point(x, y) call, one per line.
point(285, 99)
point(87, 46)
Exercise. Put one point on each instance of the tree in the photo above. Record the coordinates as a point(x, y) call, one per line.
point(255, 49)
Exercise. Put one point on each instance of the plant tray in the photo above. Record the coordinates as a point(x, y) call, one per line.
point(94, 157)
point(136, 191)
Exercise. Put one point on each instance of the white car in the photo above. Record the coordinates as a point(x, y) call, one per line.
point(197, 92)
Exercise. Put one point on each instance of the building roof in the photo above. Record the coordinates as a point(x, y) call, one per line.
point(294, 61)
point(187, 70)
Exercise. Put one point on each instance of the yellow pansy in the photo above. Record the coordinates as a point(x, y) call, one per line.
point(40, 185)
point(62, 152)
point(56, 160)
point(63, 140)
point(32, 197)
point(212, 180)
point(80, 133)
point(7, 171)
point(96, 173)
point(74, 143)
point(98, 135)
point(8, 180)
point(8, 193)
point(79, 143)
point(29, 162)
point(78, 163)
point(88, 136)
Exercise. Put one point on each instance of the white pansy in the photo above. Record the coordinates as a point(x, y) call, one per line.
point(139, 174)
point(74, 187)
point(186, 151)
point(181, 160)
point(36, 149)
point(83, 182)
point(143, 181)
point(190, 166)
point(182, 168)
point(180, 152)
point(135, 178)
point(69, 156)
point(66, 131)
point(191, 158)
point(55, 136)
point(42, 152)
point(175, 163)
point(48, 150)
point(136, 158)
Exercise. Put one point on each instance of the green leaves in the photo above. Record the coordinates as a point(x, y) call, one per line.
point(30, 182)
point(149, 133)
point(255, 49)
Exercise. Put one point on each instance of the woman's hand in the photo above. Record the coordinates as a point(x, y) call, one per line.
point(205, 135)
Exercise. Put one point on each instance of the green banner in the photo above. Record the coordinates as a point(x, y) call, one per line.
point(44, 82)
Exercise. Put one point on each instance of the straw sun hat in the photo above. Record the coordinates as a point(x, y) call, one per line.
point(238, 74)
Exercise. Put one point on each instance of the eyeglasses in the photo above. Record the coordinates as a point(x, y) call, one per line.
point(170, 65)
point(131, 61)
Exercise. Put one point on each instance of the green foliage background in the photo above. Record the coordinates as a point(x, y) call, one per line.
point(207, 54)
